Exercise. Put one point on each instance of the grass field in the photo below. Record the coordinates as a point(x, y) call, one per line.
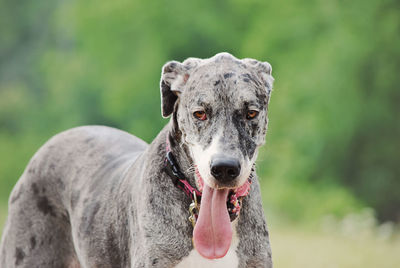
point(294, 247)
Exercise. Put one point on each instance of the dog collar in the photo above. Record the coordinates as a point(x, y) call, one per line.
point(234, 202)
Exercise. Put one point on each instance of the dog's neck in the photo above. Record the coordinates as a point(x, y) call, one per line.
point(180, 150)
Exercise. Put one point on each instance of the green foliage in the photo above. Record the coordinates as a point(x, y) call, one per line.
point(333, 143)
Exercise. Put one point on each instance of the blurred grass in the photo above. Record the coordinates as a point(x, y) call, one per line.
point(294, 247)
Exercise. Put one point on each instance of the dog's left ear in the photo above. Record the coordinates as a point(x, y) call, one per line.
point(264, 69)
point(174, 76)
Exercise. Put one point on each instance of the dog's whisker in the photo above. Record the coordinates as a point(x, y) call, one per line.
point(191, 169)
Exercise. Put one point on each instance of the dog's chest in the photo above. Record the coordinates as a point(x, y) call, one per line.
point(195, 260)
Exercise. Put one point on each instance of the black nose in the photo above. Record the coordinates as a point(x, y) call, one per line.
point(225, 169)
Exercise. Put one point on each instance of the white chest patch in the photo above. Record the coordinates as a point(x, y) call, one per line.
point(195, 260)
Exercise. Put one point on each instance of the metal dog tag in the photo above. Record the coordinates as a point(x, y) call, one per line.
point(194, 210)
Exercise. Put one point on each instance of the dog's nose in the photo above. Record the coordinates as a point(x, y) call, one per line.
point(225, 169)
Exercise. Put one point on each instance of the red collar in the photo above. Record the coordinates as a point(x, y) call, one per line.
point(178, 177)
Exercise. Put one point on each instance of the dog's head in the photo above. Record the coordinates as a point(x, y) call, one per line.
point(221, 107)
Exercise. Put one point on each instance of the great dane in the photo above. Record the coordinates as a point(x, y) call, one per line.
point(95, 196)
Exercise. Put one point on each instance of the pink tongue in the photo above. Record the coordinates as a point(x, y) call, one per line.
point(212, 233)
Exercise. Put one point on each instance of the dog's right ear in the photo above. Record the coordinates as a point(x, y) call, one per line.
point(173, 77)
point(263, 69)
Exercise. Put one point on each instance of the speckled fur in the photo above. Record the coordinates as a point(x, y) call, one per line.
point(95, 196)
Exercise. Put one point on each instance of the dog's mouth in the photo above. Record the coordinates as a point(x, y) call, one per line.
point(212, 233)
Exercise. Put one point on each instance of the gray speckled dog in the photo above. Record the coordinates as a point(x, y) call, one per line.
point(95, 196)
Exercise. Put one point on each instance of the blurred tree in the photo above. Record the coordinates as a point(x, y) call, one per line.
point(334, 116)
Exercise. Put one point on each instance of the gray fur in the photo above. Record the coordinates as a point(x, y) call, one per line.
point(95, 196)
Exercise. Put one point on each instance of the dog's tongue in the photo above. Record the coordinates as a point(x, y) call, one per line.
point(212, 233)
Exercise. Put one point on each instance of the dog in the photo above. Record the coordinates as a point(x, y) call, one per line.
point(95, 196)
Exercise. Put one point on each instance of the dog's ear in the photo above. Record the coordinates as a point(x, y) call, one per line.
point(173, 77)
point(264, 69)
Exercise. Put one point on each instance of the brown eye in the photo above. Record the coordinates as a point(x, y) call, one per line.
point(201, 115)
point(251, 114)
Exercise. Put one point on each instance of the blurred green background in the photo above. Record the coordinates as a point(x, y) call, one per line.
point(330, 171)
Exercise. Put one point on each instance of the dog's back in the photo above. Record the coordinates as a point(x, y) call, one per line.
point(48, 195)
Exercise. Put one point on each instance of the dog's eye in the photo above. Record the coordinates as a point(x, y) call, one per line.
point(251, 114)
point(201, 115)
